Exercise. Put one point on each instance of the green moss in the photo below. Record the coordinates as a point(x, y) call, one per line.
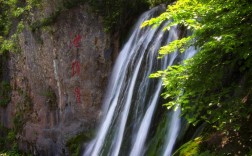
point(8, 137)
point(3, 134)
point(5, 93)
point(191, 148)
point(8, 143)
point(5, 88)
point(18, 121)
point(74, 144)
point(12, 14)
point(159, 139)
point(68, 4)
point(45, 21)
point(194, 148)
point(114, 12)
point(51, 98)
point(13, 151)
point(23, 110)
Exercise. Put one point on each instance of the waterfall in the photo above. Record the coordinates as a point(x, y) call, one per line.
point(173, 130)
point(132, 97)
point(172, 133)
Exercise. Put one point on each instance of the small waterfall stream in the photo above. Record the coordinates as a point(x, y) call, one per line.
point(132, 97)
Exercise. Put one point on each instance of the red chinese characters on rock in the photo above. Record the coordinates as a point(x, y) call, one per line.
point(77, 94)
point(76, 65)
point(76, 71)
point(76, 68)
point(75, 42)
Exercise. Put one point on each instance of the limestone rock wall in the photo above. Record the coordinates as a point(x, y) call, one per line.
point(58, 80)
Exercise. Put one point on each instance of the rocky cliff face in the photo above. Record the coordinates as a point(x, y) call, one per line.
point(58, 80)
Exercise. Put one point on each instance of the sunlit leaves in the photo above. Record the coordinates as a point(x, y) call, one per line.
point(7, 45)
point(217, 77)
point(18, 11)
point(181, 44)
point(156, 21)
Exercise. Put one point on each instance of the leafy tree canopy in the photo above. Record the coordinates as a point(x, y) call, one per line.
point(214, 85)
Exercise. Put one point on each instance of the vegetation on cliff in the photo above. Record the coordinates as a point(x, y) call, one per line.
point(116, 16)
point(215, 85)
point(12, 16)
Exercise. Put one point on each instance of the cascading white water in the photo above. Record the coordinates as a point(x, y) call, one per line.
point(132, 97)
point(173, 132)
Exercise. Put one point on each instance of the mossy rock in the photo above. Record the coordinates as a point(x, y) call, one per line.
point(51, 98)
point(190, 148)
point(74, 144)
point(5, 93)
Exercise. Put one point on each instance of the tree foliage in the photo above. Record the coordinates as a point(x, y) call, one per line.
point(214, 85)
point(12, 15)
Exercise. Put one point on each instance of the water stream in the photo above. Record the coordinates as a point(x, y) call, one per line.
point(132, 97)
